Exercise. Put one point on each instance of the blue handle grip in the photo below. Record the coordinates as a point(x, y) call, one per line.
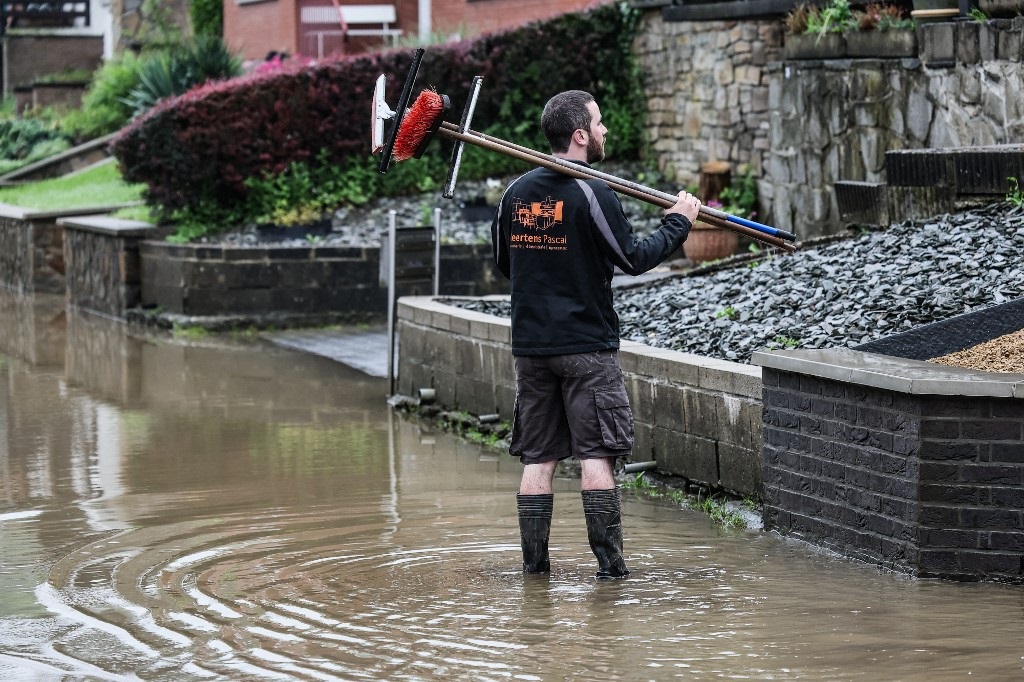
point(774, 231)
point(767, 229)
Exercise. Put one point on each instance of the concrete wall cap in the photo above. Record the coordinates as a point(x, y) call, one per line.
point(891, 373)
point(104, 224)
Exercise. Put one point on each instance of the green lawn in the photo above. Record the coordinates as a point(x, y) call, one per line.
point(99, 185)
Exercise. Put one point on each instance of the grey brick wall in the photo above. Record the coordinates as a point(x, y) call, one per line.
point(926, 484)
point(698, 418)
point(209, 280)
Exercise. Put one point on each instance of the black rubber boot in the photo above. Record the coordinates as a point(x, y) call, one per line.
point(534, 529)
point(604, 530)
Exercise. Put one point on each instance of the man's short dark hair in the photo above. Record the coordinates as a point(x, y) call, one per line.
point(564, 114)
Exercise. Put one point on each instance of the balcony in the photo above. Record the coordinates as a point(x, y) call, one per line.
point(43, 14)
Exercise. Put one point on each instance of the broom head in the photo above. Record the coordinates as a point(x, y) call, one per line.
point(420, 124)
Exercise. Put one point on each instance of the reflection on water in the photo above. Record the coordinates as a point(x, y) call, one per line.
point(172, 511)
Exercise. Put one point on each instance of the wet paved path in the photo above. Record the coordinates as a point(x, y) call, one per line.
point(361, 348)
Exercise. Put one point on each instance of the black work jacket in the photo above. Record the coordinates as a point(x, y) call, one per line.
point(559, 239)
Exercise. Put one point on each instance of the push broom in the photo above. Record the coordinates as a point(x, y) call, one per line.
point(415, 127)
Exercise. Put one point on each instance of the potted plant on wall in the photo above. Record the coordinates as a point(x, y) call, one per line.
point(814, 32)
point(883, 30)
point(836, 30)
point(738, 198)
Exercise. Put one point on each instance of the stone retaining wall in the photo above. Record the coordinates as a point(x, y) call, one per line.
point(102, 263)
point(720, 90)
point(698, 418)
point(217, 280)
point(31, 251)
point(32, 247)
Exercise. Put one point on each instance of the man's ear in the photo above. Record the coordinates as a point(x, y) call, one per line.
point(579, 136)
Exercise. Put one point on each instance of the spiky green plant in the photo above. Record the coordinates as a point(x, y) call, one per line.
point(164, 74)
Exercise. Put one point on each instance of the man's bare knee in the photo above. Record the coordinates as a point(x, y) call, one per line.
point(597, 474)
point(537, 478)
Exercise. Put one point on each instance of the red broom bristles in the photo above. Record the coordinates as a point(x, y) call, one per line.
point(417, 124)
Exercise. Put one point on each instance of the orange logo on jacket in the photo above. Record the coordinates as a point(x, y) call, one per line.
point(537, 215)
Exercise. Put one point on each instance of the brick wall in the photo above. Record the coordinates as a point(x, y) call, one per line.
point(840, 466)
point(972, 487)
point(312, 281)
point(926, 484)
point(255, 29)
point(485, 16)
point(28, 56)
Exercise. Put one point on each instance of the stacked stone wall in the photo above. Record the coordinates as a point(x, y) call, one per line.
point(31, 254)
point(103, 265)
point(721, 90)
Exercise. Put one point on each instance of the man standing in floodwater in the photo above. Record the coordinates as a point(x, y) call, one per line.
point(559, 240)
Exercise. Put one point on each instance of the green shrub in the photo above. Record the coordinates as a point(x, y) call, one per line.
point(835, 17)
point(104, 109)
point(205, 153)
point(304, 192)
point(25, 140)
point(165, 74)
point(207, 17)
point(740, 197)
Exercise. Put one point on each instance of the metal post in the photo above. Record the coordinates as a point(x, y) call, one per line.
point(391, 301)
point(437, 250)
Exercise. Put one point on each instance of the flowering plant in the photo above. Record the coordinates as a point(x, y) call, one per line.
point(740, 197)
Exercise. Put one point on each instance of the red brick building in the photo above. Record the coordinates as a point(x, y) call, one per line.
point(313, 28)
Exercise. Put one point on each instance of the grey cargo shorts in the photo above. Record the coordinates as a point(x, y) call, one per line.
point(570, 406)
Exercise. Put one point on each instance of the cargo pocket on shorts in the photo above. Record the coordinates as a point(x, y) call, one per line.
point(515, 446)
point(615, 418)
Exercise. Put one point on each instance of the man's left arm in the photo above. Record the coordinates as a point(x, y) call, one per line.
point(629, 253)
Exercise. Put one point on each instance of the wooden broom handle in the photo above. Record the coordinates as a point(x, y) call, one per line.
point(637, 191)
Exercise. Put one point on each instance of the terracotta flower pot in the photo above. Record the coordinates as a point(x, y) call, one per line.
point(709, 243)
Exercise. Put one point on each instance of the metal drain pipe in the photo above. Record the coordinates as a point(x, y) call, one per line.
point(633, 467)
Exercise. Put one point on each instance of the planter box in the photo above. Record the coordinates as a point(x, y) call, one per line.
point(881, 456)
point(815, 46)
point(59, 95)
point(1001, 8)
point(881, 44)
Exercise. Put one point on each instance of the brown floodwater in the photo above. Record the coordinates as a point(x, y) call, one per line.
point(223, 509)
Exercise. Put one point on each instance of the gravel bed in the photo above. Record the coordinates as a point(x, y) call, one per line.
point(362, 225)
point(839, 294)
point(1003, 354)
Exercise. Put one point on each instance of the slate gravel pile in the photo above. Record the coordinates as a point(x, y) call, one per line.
point(363, 225)
point(840, 294)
